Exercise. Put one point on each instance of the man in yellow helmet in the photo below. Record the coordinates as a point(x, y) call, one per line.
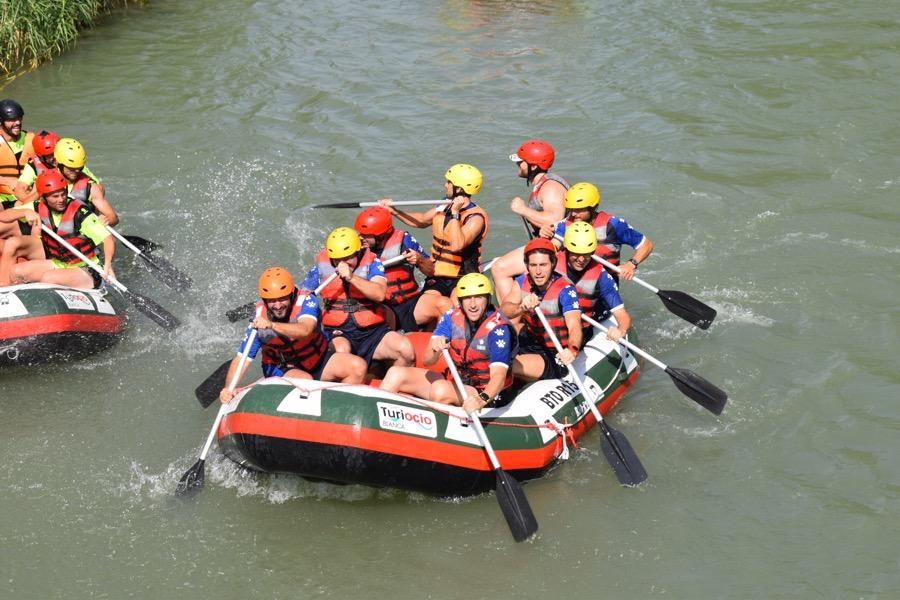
point(291, 338)
point(598, 295)
point(83, 185)
point(482, 344)
point(582, 204)
point(457, 229)
point(354, 316)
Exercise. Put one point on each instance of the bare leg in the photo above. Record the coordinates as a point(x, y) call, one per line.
point(409, 380)
point(28, 247)
point(74, 277)
point(297, 374)
point(445, 392)
point(528, 367)
point(395, 347)
point(345, 369)
point(340, 344)
point(430, 308)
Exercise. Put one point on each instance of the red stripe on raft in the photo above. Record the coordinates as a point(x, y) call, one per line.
point(66, 323)
point(351, 436)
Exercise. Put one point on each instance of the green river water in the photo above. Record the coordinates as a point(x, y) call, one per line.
point(756, 143)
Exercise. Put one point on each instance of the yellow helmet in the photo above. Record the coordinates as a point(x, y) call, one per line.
point(580, 238)
point(582, 195)
point(275, 282)
point(70, 152)
point(473, 284)
point(466, 177)
point(343, 242)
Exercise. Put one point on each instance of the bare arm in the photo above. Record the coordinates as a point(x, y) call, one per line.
point(98, 199)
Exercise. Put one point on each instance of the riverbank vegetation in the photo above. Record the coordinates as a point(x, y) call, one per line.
point(34, 31)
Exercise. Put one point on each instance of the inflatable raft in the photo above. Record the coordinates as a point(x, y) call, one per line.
point(361, 434)
point(41, 322)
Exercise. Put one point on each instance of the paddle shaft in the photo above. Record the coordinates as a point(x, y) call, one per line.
point(114, 282)
point(625, 343)
point(124, 241)
point(615, 268)
point(476, 422)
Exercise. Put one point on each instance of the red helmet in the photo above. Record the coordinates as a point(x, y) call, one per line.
point(375, 220)
point(44, 143)
point(50, 181)
point(535, 152)
point(541, 244)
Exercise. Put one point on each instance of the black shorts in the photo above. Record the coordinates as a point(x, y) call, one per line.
point(444, 285)
point(95, 276)
point(552, 369)
point(363, 342)
point(406, 319)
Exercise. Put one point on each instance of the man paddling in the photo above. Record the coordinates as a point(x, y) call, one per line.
point(542, 286)
point(481, 342)
point(47, 260)
point(458, 229)
point(353, 315)
point(583, 205)
point(83, 185)
point(410, 309)
point(543, 207)
point(598, 295)
point(291, 338)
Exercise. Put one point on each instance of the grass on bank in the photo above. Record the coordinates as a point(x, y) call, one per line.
point(34, 31)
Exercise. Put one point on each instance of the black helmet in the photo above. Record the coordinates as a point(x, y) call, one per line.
point(10, 110)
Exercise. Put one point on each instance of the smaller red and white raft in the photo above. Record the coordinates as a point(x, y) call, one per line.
point(363, 435)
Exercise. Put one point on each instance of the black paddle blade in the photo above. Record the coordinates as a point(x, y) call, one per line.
point(335, 205)
point(241, 313)
point(153, 311)
point(142, 244)
point(168, 273)
point(698, 389)
point(621, 456)
point(192, 480)
point(208, 391)
point(688, 308)
point(515, 506)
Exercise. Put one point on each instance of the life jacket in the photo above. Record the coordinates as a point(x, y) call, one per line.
point(69, 229)
point(587, 286)
point(472, 356)
point(12, 161)
point(343, 301)
point(534, 202)
point(39, 165)
point(453, 263)
point(401, 284)
point(608, 248)
point(279, 350)
point(81, 190)
point(551, 308)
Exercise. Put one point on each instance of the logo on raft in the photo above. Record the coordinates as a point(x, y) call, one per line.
point(408, 420)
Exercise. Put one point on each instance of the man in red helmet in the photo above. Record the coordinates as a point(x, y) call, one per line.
point(43, 144)
point(542, 286)
point(545, 206)
point(411, 310)
point(48, 260)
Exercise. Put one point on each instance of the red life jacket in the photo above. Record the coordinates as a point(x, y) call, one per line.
point(453, 263)
point(473, 358)
point(587, 286)
point(69, 229)
point(401, 284)
point(81, 189)
point(304, 353)
point(39, 165)
point(534, 202)
point(343, 301)
point(551, 308)
point(606, 248)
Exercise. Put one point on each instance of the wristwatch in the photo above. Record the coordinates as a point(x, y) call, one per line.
point(634, 262)
point(485, 398)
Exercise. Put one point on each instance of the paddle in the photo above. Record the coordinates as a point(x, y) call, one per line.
point(207, 392)
point(192, 480)
point(510, 494)
point(239, 313)
point(394, 203)
point(144, 245)
point(151, 309)
point(159, 266)
point(683, 305)
point(615, 446)
point(691, 385)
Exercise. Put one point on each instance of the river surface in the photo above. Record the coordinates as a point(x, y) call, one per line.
point(756, 143)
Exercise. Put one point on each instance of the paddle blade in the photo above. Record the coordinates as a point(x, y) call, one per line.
point(142, 244)
point(621, 456)
point(241, 313)
point(515, 506)
point(208, 391)
point(688, 308)
point(168, 273)
point(152, 310)
point(192, 480)
point(336, 205)
point(698, 389)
